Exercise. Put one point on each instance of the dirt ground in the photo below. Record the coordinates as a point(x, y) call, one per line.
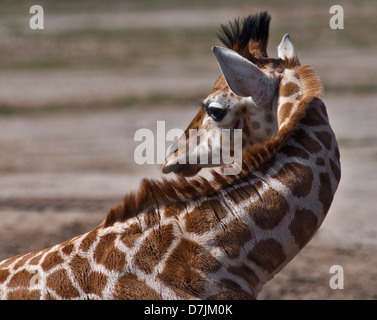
point(67, 124)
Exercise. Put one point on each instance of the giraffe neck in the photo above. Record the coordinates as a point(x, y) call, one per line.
point(278, 209)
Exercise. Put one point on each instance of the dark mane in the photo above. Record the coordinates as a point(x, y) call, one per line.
point(249, 36)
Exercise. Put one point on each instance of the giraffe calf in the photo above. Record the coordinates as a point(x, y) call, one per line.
point(218, 238)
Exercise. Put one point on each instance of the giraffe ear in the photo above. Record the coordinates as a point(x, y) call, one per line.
point(286, 49)
point(244, 78)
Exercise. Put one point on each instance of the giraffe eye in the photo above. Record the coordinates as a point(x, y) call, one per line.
point(216, 114)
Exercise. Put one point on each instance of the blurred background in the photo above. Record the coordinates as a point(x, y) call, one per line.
point(73, 95)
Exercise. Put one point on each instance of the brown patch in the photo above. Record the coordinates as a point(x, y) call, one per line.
point(240, 194)
point(320, 162)
point(90, 282)
point(180, 270)
point(255, 125)
point(4, 275)
point(246, 273)
point(205, 217)
point(154, 247)
point(233, 237)
point(297, 177)
point(208, 263)
point(268, 254)
point(297, 152)
point(97, 282)
point(80, 268)
point(24, 294)
point(151, 218)
point(60, 283)
point(229, 290)
point(129, 287)
point(325, 195)
point(269, 209)
point(49, 296)
point(51, 260)
point(21, 279)
point(109, 256)
point(313, 118)
point(284, 112)
point(68, 249)
point(289, 89)
point(325, 138)
point(88, 240)
point(303, 226)
point(309, 144)
point(335, 170)
point(268, 118)
point(131, 234)
point(268, 132)
point(173, 210)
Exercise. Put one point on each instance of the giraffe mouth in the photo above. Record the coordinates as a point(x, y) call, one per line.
point(177, 163)
point(182, 169)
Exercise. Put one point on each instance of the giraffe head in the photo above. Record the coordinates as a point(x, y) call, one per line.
point(244, 97)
